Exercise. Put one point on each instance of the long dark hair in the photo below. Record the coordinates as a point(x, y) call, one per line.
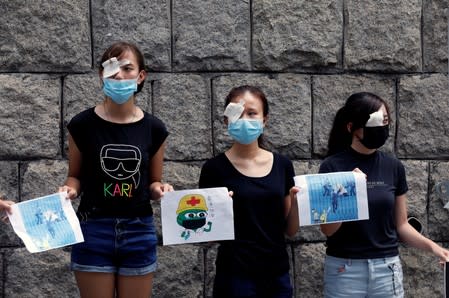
point(116, 49)
point(356, 110)
point(257, 92)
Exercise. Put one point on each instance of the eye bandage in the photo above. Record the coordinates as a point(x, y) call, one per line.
point(234, 110)
point(112, 66)
point(375, 119)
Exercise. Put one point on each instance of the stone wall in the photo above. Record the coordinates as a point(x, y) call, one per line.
point(308, 56)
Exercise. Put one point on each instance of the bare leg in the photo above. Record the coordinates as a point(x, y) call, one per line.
point(95, 284)
point(139, 286)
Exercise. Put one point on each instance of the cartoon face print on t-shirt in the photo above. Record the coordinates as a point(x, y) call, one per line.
point(121, 161)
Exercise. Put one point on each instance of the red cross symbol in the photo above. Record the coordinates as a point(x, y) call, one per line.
point(193, 201)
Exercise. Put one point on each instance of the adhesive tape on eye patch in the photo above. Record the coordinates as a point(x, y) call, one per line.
point(375, 119)
point(234, 110)
point(112, 66)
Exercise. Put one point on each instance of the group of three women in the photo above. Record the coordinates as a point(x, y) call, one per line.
point(116, 155)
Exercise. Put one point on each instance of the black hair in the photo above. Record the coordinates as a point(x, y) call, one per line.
point(356, 110)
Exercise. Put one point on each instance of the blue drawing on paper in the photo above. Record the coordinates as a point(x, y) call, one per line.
point(46, 223)
point(332, 198)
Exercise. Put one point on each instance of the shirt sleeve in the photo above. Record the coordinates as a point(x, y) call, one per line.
point(325, 167)
point(159, 133)
point(207, 178)
point(75, 128)
point(401, 184)
point(290, 173)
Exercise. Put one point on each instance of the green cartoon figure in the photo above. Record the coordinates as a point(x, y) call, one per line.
point(192, 213)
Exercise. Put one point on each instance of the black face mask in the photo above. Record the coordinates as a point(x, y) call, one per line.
point(193, 224)
point(375, 137)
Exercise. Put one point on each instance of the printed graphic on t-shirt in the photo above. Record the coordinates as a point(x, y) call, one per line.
point(122, 163)
point(372, 184)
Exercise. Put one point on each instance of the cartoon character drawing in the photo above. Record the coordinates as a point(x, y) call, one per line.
point(192, 214)
point(121, 161)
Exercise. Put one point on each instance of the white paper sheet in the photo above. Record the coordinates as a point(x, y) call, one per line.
point(331, 197)
point(46, 222)
point(197, 215)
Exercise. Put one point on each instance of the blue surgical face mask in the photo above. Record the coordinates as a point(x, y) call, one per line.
point(245, 131)
point(119, 90)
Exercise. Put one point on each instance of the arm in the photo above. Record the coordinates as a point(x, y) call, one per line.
point(412, 237)
point(72, 184)
point(157, 188)
point(291, 212)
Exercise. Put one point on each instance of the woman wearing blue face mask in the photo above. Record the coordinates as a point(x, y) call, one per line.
point(256, 263)
point(362, 257)
point(116, 153)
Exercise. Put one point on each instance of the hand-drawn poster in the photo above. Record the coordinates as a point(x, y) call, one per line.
point(197, 215)
point(331, 197)
point(46, 222)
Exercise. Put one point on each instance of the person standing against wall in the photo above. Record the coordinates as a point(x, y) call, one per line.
point(116, 153)
point(261, 183)
point(362, 256)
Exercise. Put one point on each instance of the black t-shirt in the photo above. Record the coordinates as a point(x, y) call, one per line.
point(376, 237)
point(259, 221)
point(115, 164)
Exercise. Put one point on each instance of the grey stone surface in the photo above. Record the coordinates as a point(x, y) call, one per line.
point(434, 34)
point(30, 116)
point(212, 35)
point(308, 270)
point(211, 256)
point(438, 216)
point(330, 94)
point(182, 102)
point(182, 175)
point(423, 276)
point(297, 35)
point(44, 274)
point(43, 177)
point(423, 107)
point(45, 36)
point(145, 23)
point(180, 271)
point(9, 185)
point(289, 99)
point(383, 35)
point(417, 179)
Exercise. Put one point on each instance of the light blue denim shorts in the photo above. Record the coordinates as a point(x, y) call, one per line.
point(124, 246)
point(355, 278)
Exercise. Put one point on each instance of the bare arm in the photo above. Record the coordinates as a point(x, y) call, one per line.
point(412, 237)
point(291, 212)
point(157, 188)
point(72, 183)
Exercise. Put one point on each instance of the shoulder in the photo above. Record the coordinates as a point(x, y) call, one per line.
point(390, 159)
point(84, 115)
point(153, 120)
point(215, 162)
point(281, 159)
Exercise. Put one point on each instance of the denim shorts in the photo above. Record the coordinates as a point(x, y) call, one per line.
point(228, 285)
point(124, 246)
point(363, 277)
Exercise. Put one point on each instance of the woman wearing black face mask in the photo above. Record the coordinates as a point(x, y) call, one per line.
point(362, 256)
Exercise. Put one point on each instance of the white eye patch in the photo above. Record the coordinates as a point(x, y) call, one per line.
point(234, 110)
point(375, 119)
point(112, 66)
